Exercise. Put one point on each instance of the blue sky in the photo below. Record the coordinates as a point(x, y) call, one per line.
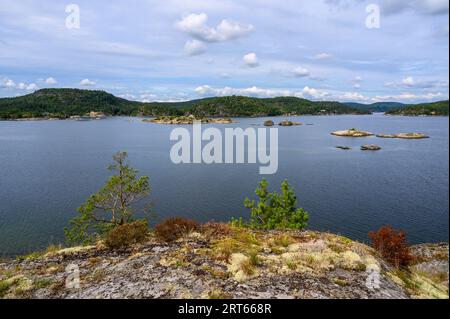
point(175, 50)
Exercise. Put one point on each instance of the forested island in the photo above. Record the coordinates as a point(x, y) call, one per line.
point(394, 108)
point(378, 107)
point(428, 109)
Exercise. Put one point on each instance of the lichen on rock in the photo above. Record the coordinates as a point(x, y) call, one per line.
point(237, 263)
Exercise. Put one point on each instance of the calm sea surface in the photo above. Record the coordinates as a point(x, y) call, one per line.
point(48, 169)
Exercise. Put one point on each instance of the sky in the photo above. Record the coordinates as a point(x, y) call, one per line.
point(176, 50)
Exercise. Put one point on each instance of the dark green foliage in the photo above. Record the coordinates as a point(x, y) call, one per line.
point(274, 210)
point(173, 228)
point(235, 106)
point(127, 234)
point(376, 107)
point(436, 108)
point(112, 205)
point(63, 103)
point(4, 287)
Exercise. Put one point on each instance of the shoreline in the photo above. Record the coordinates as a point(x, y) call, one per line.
point(287, 265)
point(40, 119)
point(14, 256)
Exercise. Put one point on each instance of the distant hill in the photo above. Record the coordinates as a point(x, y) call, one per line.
point(376, 107)
point(63, 103)
point(436, 108)
point(249, 106)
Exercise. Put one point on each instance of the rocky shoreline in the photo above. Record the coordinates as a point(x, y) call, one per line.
point(358, 133)
point(352, 133)
point(355, 133)
point(407, 136)
point(230, 263)
point(187, 120)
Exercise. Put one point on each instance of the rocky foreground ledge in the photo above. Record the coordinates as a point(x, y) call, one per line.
point(234, 263)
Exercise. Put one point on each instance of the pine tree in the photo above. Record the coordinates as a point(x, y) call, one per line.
point(274, 210)
point(112, 205)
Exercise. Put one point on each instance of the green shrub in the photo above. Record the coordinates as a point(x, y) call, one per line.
point(174, 228)
point(43, 283)
point(274, 210)
point(4, 287)
point(127, 234)
point(237, 222)
point(241, 241)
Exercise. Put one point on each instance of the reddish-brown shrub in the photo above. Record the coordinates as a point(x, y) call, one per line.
point(127, 234)
point(392, 245)
point(174, 228)
point(214, 229)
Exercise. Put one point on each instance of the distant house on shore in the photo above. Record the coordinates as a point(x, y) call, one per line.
point(97, 115)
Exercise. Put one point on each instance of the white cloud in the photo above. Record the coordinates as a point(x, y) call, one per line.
point(196, 26)
point(353, 96)
point(411, 82)
point(308, 92)
point(254, 91)
point(32, 87)
point(251, 60)
point(301, 72)
point(194, 47)
point(51, 81)
point(147, 97)
point(87, 82)
point(7, 83)
point(10, 84)
point(21, 86)
point(316, 94)
point(323, 56)
point(408, 97)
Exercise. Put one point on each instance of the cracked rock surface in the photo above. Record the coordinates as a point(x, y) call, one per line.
point(239, 264)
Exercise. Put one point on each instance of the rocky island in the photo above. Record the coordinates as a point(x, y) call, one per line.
point(408, 136)
point(282, 123)
point(344, 148)
point(188, 120)
point(352, 133)
point(370, 148)
point(289, 123)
